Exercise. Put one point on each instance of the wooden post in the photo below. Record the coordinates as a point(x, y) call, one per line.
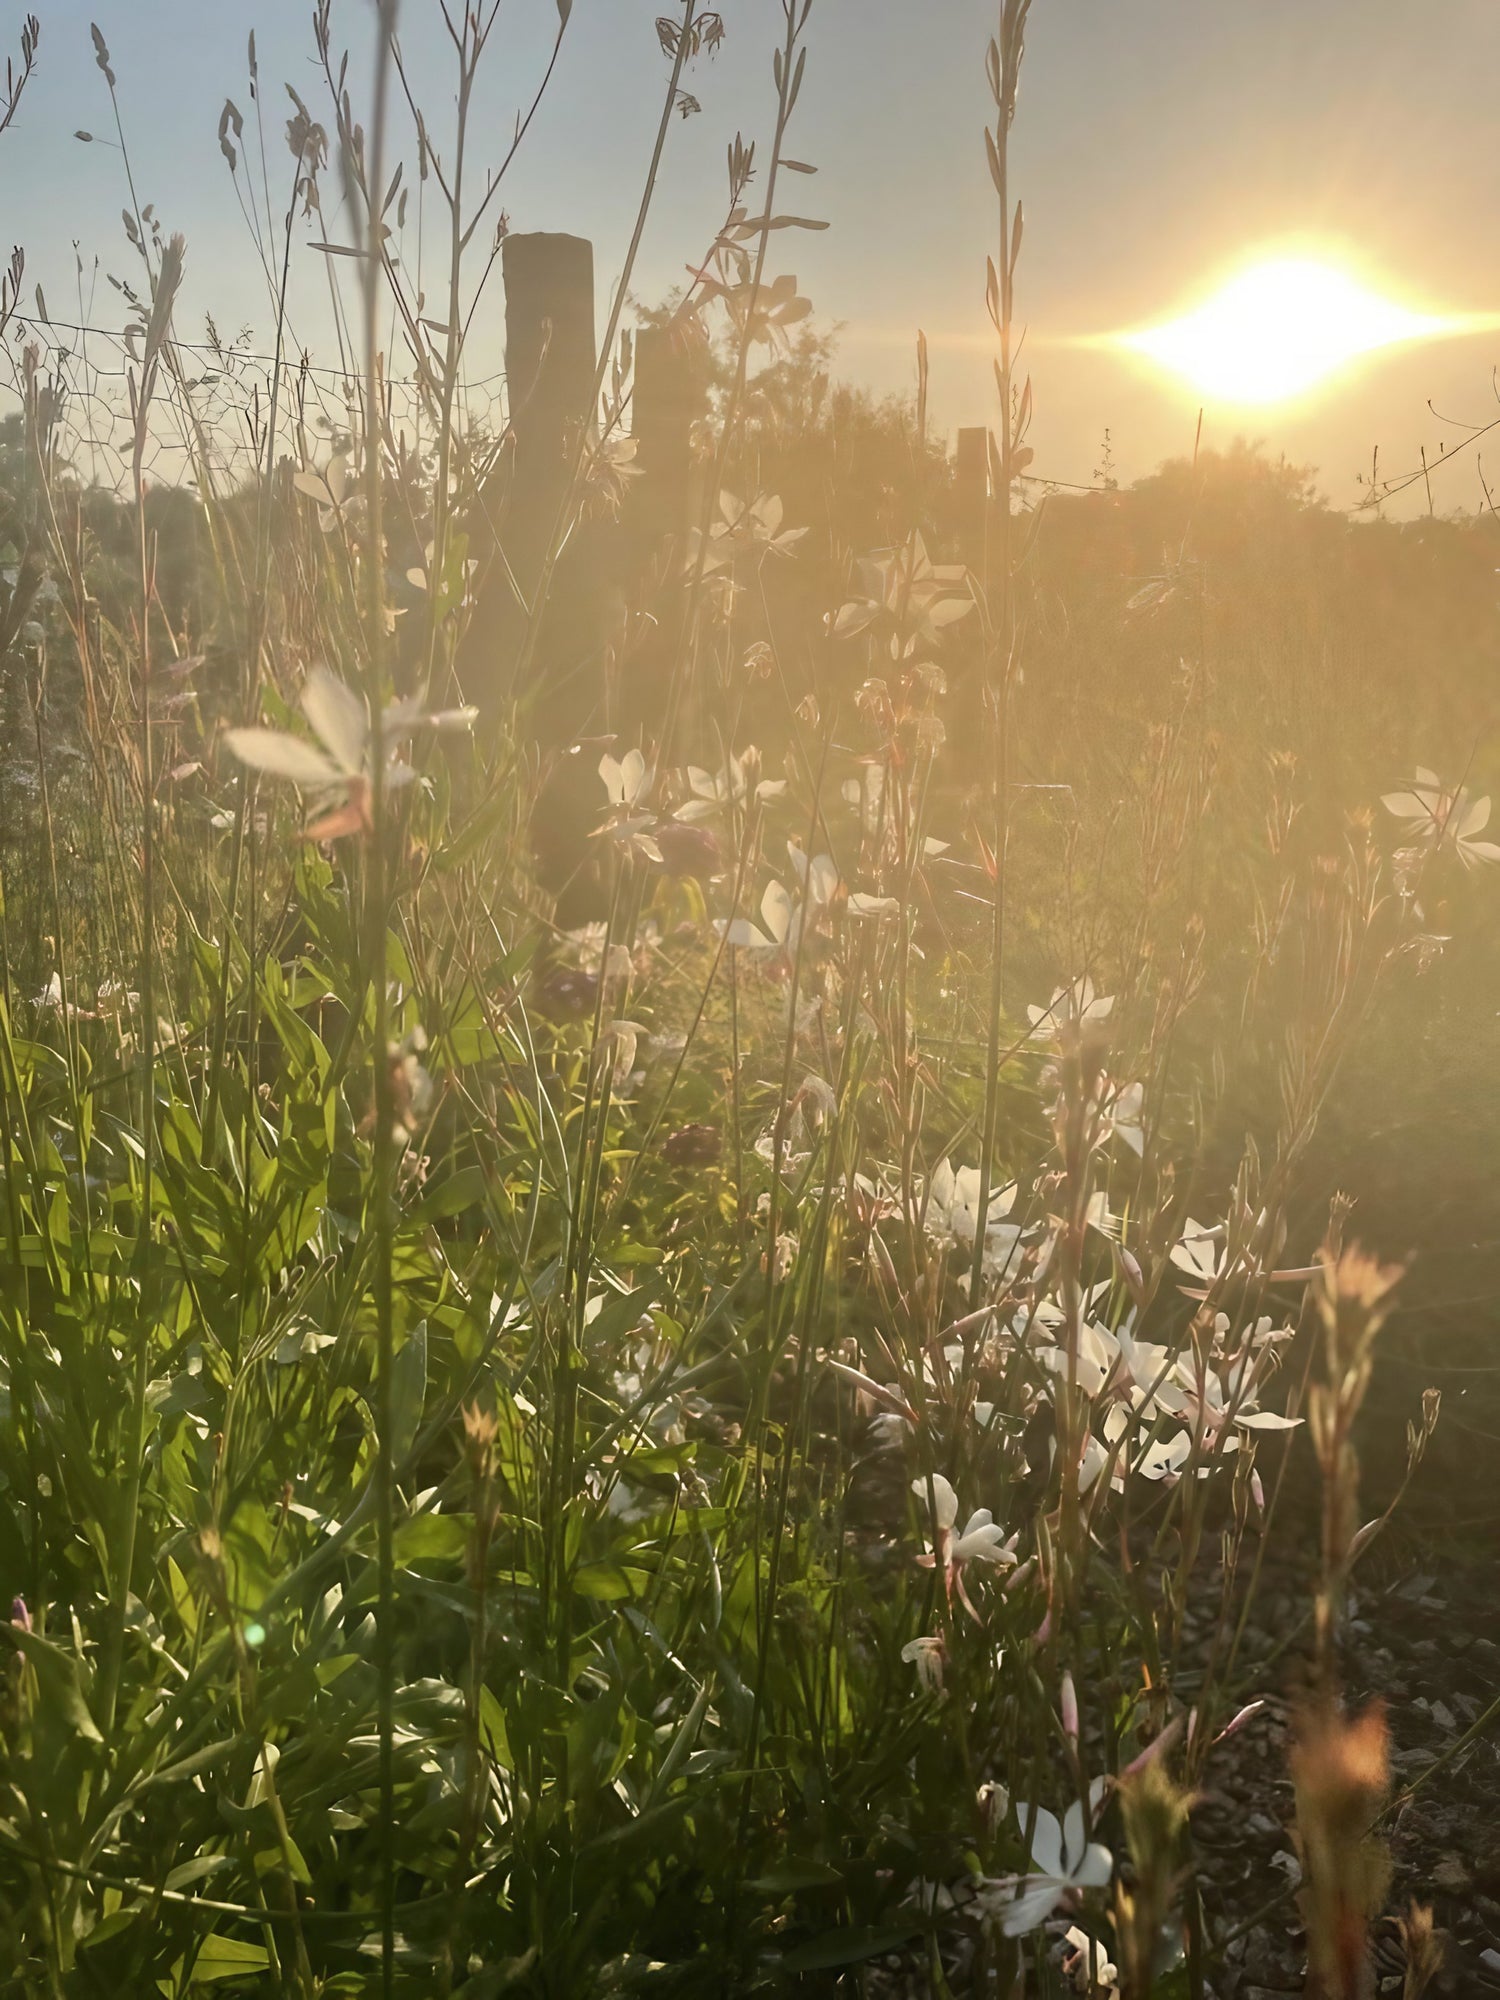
point(550, 366)
point(669, 396)
point(972, 491)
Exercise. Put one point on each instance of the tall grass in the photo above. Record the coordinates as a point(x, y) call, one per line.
point(679, 1452)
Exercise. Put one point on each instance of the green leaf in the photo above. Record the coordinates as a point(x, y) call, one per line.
point(227, 1958)
point(494, 1733)
point(57, 1680)
point(110, 1926)
point(460, 1191)
point(408, 1392)
point(846, 1948)
point(197, 1868)
point(432, 1535)
point(609, 1581)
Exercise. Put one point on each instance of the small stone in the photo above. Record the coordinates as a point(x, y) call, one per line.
point(1451, 1876)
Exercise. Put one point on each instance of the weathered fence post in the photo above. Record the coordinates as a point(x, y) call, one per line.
point(549, 366)
point(971, 481)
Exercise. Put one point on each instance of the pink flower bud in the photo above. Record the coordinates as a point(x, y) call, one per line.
point(1155, 1749)
point(1246, 1714)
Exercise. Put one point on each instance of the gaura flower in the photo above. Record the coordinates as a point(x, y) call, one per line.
point(340, 776)
point(1199, 1254)
point(928, 1656)
point(734, 785)
point(1162, 1459)
point(1087, 1965)
point(951, 1215)
point(329, 489)
point(1124, 1115)
point(784, 915)
point(1077, 1005)
point(1063, 1861)
point(921, 597)
point(1098, 1352)
point(742, 530)
point(627, 782)
point(981, 1541)
point(1432, 816)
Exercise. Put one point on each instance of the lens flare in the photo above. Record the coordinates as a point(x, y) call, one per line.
point(1282, 327)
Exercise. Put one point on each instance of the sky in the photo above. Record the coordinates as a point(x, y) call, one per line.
point(1159, 144)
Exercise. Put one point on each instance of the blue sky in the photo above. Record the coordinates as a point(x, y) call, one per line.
point(1158, 141)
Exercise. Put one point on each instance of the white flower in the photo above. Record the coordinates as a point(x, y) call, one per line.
point(627, 783)
point(1199, 1254)
point(1070, 1006)
point(928, 1656)
point(1433, 816)
point(784, 915)
point(1063, 1860)
point(951, 1215)
point(1086, 1964)
point(1124, 1111)
point(731, 786)
point(627, 779)
point(748, 528)
point(922, 597)
point(617, 1049)
point(1162, 1459)
point(341, 721)
point(1098, 1351)
point(981, 1541)
point(1091, 1462)
point(1161, 1378)
point(329, 489)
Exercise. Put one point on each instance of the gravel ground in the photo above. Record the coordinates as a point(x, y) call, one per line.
point(1430, 1650)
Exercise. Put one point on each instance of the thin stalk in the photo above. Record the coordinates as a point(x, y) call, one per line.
point(377, 889)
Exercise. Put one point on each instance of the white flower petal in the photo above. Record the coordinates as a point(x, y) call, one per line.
point(1047, 1842)
point(743, 933)
point(944, 1499)
point(776, 911)
point(1039, 1897)
point(1096, 1867)
point(340, 718)
point(282, 756)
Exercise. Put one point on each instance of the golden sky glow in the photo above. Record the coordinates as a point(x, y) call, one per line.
point(1280, 328)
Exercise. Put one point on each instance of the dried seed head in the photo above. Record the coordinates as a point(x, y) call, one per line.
point(1353, 1295)
point(1341, 1773)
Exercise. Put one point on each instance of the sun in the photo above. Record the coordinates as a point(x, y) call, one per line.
point(1280, 328)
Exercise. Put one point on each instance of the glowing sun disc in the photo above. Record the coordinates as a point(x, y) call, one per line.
point(1278, 329)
